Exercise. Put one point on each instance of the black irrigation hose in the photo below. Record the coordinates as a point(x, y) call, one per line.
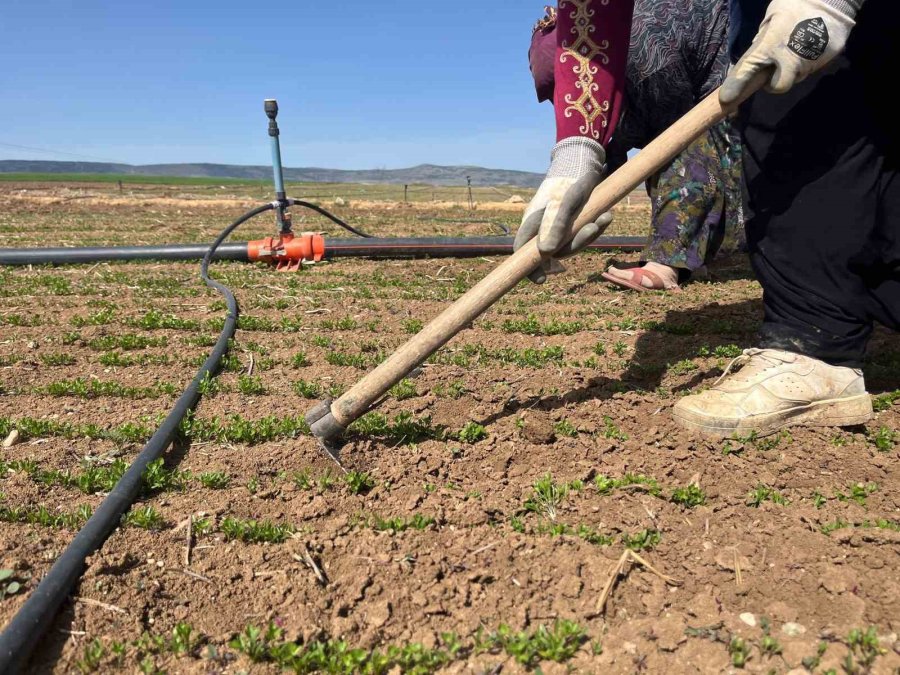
point(372, 247)
point(37, 614)
point(333, 218)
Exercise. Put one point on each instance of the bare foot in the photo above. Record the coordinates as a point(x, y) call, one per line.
point(668, 275)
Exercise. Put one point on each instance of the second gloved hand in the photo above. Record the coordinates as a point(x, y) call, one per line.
point(795, 39)
point(577, 165)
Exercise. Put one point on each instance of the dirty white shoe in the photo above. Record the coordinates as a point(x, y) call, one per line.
point(776, 389)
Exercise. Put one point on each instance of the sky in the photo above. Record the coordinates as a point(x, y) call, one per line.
point(360, 84)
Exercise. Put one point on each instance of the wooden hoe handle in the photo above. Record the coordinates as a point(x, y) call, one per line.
point(329, 419)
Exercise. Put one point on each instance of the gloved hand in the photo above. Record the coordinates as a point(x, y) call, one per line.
point(577, 165)
point(797, 37)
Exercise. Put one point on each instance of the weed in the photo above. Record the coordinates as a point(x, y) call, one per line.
point(643, 540)
point(453, 390)
point(183, 640)
point(256, 643)
point(215, 480)
point(299, 360)
point(689, 496)
point(255, 531)
point(403, 429)
point(819, 499)
point(619, 348)
point(763, 493)
point(358, 482)
point(547, 497)
point(599, 349)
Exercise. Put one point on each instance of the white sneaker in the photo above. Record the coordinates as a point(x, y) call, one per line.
point(776, 389)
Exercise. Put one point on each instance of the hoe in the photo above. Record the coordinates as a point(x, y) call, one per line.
point(330, 418)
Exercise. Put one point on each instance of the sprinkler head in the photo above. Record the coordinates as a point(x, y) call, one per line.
point(271, 107)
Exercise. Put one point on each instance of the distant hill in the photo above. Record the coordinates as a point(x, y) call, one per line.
point(429, 174)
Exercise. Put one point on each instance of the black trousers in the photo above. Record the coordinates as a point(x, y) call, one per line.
point(822, 183)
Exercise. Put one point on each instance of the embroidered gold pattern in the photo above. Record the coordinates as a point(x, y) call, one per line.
point(583, 49)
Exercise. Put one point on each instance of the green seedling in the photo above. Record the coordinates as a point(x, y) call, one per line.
point(565, 428)
point(813, 662)
point(209, 385)
point(400, 524)
point(739, 651)
point(558, 643)
point(619, 348)
point(643, 540)
point(413, 326)
point(253, 531)
point(857, 493)
point(864, 650)
point(127, 342)
point(404, 389)
point(769, 646)
point(472, 432)
point(531, 326)
point(250, 385)
point(358, 482)
point(303, 480)
point(764, 493)
point(58, 359)
point(819, 500)
point(884, 439)
point(612, 431)
point(91, 656)
point(883, 402)
point(300, 360)
point(689, 497)
point(145, 517)
point(155, 320)
point(9, 585)
point(357, 361)
point(307, 389)
point(215, 480)
point(606, 485)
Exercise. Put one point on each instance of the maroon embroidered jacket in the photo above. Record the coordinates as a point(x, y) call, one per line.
point(592, 40)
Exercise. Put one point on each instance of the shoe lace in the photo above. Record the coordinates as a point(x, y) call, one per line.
point(766, 359)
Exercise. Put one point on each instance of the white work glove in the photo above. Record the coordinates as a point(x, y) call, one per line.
point(577, 165)
point(797, 38)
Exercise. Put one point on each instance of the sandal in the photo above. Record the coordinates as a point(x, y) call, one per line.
point(637, 281)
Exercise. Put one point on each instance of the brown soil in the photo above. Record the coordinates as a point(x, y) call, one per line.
point(485, 560)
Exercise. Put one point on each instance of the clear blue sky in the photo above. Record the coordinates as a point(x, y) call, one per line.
point(360, 83)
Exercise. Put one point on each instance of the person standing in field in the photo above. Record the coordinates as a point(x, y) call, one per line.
point(822, 178)
point(678, 54)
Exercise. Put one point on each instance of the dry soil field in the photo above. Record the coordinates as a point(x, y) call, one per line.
point(488, 501)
